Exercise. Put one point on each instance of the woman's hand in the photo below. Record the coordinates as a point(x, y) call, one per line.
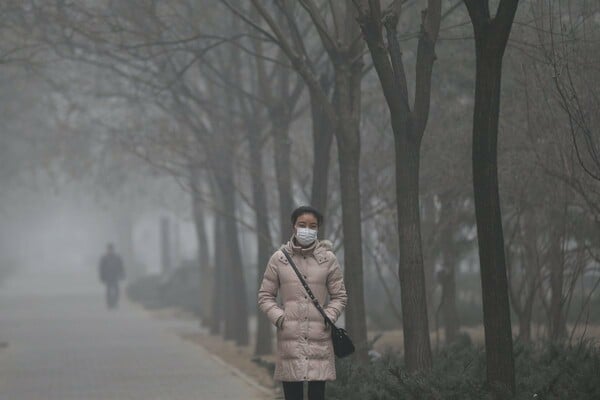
point(280, 321)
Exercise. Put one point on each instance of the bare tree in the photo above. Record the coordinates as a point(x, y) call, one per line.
point(280, 98)
point(18, 45)
point(206, 272)
point(345, 49)
point(491, 37)
point(567, 38)
point(559, 83)
point(408, 126)
point(165, 63)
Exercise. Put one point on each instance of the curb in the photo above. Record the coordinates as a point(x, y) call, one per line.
point(236, 371)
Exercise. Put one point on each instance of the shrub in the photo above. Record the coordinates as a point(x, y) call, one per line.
point(543, 373)
point(179, 288)
point(145, 291)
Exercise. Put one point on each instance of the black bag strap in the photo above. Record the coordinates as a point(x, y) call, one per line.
point(315, 301)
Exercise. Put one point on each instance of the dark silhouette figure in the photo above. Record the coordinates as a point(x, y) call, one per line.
point(111, 271)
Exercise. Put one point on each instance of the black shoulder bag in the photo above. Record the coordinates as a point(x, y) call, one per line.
point(342, 344)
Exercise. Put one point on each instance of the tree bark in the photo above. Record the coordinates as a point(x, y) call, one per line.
point(491, 36)
point(525, 326)
point(558, 329)
point(345, 53)
point(283, 173)
point(236, 321)
point(280, 109)
point(165, 245)
point(449, 310)
point(408, 127)
point(448, 274)
point(322, 140)
point(218, 307)
point(410, 270)
point(347, 81)
point(494, 285)
point(264, 334)
point(203, 255)
point(532, 277)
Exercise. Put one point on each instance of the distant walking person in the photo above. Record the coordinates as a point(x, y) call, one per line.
point(111, 272)
point(304, 347)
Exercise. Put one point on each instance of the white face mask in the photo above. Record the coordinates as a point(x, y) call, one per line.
point(306, 236)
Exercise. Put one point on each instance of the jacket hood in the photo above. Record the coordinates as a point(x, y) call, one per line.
point(325, 245)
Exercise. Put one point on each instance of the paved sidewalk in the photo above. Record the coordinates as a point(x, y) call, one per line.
point(69, 347)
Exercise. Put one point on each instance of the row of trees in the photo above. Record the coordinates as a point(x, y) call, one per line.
point(220, 98)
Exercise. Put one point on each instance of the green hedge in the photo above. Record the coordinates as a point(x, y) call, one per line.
point(542, 373)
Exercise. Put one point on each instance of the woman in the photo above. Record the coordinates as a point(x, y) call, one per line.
point(304, 348)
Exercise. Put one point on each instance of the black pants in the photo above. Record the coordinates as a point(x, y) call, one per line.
point(295, 390)
point(112, 294)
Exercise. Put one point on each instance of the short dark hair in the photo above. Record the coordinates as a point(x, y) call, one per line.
point(307, 210)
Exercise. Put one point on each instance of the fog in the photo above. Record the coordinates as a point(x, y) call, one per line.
point(153, 156)
point(55, 244)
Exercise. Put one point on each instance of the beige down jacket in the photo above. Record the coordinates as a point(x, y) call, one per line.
point(304, 348)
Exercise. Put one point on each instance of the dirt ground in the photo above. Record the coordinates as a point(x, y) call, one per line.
point(393, 340)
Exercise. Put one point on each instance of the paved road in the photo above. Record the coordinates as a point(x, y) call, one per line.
point(66, 346)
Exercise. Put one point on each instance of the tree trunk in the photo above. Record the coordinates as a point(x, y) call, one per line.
point(236, 322)
point(283, 172)
point(430, 283)
point(496, 308)
point(450, 257)
point(525, 326)
point(322, 140)
point(417, 347)
point(525, 312)
point(347, 80)
point(218, 303)
point(165, 245)
point(264, 331)
point(558, 328)
point(409, 127)
point(233, 287)
point(532, 272)
point(449, 310)
point(491, 37)
point(280, 109)
point(346, 54)
point(430, 249)
point(203, 256)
